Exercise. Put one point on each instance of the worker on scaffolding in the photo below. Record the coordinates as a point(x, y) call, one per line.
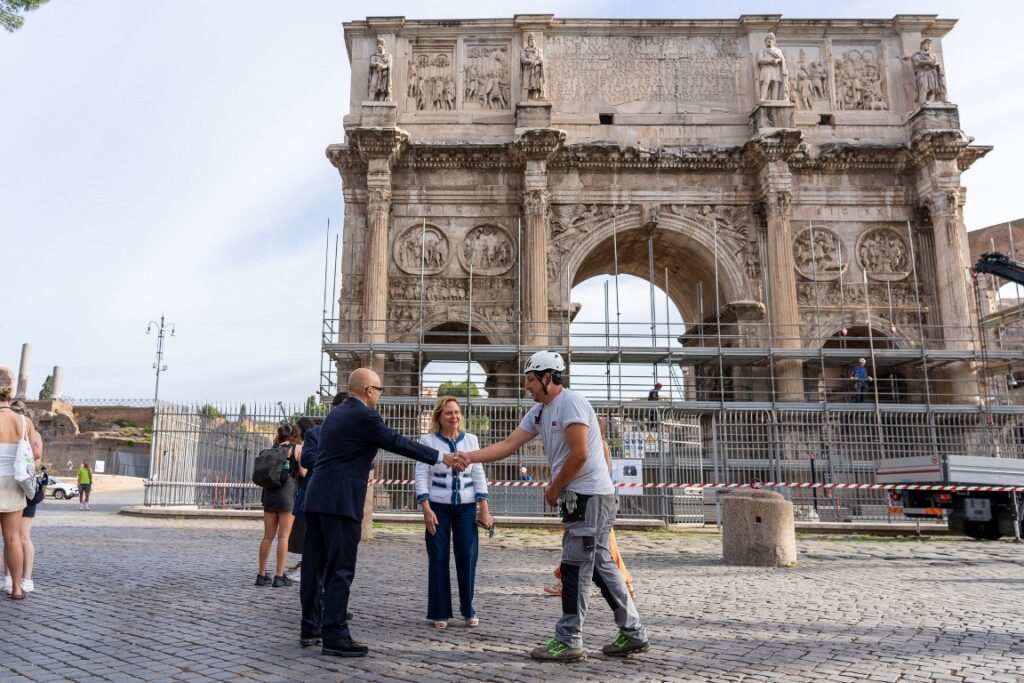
point(861, 377)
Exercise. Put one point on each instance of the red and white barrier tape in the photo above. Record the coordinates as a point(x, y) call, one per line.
point(695, 485)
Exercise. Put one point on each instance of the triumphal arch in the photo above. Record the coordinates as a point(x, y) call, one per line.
point(793, 185)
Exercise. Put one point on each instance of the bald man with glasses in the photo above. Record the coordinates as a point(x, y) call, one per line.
point(350, 437)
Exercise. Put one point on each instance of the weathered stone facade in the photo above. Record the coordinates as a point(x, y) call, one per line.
point(530, 151)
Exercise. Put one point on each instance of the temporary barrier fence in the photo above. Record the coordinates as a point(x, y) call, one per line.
point(822, 460)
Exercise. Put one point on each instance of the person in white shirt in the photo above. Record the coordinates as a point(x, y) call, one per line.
point(582, 485)
point(452, 503)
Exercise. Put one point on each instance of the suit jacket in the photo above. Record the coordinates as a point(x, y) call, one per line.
point(310, 446)
point(349, 440)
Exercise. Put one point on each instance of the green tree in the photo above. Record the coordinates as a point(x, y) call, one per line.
point(46, 393)
point(313, 408)
point(210, 412)
point(10, 12)
point(477, 421)
point(463, 389)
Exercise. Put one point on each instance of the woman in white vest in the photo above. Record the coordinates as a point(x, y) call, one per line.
point(452, 503)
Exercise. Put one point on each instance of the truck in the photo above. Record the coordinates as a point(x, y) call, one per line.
point(969, 490)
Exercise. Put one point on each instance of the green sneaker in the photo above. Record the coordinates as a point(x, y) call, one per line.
point(556, 651)
point(623, 646)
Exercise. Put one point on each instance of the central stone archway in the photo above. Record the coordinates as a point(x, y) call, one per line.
point(684, 244)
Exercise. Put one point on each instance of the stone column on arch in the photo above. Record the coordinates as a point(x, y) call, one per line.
point(375, 291)
point(380, 148)
point(535, 146)
point(535, 273)
point(956, 382)
point(783, 314)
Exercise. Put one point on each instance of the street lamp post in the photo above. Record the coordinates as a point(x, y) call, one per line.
point(159, 366)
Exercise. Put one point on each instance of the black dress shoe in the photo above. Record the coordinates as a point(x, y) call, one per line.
point(344, 647)
point(310, 639)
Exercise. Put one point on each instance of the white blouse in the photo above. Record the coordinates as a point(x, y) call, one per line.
point(440, 483)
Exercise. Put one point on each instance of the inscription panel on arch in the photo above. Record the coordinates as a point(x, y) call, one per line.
point(643, 73)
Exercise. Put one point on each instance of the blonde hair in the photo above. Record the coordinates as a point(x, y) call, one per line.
point(435, 417)
point(6, 384)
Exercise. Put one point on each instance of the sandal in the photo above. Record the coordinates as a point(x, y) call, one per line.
point(440, 624)
point(19, 596)
point(472, 622)
point(554, 589)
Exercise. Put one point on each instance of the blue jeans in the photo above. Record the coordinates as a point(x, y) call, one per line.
point(456, 522)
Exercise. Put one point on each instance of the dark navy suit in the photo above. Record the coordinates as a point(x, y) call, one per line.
point(310, 589)
point(349, 440)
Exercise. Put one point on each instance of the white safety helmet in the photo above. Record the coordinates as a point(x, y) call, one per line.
point(543, 361)
point(862, 360)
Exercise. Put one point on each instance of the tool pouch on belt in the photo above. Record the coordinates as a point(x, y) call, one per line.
point(572, 506)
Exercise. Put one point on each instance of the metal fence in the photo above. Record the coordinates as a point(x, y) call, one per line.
point(203, 455)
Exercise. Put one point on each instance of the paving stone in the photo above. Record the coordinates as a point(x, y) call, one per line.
point(182, 607)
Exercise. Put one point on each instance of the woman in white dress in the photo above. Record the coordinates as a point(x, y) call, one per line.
point(13, 427)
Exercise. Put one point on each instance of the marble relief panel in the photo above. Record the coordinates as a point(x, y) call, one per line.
point(809, 87)
point(487, 77)
point(431, 81)
point(860, 78)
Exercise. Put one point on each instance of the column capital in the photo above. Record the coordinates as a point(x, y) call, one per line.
point(535, 202)
point(378, 200)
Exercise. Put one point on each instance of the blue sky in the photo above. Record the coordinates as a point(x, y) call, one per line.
point(169, 158)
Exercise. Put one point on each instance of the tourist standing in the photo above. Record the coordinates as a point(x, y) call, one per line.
point(13, 428)
point(349, 440)
point(583, 488)
point(277, 510)
point(452, 503)
point(84, 485)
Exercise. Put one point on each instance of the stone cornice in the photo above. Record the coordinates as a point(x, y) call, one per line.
point(802, 158)
point(944, 145)
point(377, 143)
point(843, 157)
point(970, 154)
point(598, 157)
point(779, 145)
point(344, 158)
point(538, 143)
point(484, 156)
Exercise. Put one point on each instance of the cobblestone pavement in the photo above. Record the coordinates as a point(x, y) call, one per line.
point(123, 599)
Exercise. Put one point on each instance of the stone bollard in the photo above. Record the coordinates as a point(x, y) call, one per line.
point(757, 529)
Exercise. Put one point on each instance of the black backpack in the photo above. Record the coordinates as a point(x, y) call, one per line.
point(271, 467)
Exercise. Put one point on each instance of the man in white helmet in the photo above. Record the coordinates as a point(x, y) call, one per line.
point(861, 377)
point(582, 485)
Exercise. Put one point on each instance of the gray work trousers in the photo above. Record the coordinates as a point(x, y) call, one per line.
point(585, 558)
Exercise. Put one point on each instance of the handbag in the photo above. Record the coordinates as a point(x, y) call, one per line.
point(24, 464)
point(40, 493)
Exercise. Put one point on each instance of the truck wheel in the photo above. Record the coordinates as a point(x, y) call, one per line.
point(983, 531)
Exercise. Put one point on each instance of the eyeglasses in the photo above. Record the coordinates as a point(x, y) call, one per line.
point(380, 390)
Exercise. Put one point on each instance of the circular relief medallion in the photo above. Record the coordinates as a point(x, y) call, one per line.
point(487, 250)
point(422, 248)
point(819, 254)
point(883, 254)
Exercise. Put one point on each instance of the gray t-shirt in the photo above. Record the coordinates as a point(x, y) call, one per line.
point(550, 422)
